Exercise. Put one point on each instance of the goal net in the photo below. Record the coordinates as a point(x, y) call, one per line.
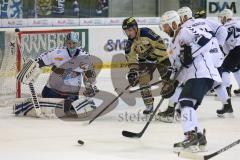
point(15, 48)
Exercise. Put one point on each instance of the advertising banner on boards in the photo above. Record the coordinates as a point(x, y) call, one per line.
point(214, 7)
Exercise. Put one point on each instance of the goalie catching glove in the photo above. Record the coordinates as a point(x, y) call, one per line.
point(29, 72)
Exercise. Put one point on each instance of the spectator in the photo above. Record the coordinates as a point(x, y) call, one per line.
point(76, 9)
point(101, 5)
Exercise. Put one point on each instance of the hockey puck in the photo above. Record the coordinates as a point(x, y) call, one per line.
point(80, 142)
point(17, 30)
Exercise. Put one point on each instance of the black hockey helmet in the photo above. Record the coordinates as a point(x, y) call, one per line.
point(129, 22)
point(201, 13)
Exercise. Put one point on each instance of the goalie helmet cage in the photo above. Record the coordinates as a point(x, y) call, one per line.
point(29, 44)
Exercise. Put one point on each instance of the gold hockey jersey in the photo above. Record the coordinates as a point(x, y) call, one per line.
point(147, 47)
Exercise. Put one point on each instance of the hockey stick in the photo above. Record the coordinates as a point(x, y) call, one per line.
point(148, 86)
point(104, 109)
point(139, 135)
point(190, 155)
point(139, 89)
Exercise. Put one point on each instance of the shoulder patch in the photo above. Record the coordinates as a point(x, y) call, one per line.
point(147, 32)
point(58, 58)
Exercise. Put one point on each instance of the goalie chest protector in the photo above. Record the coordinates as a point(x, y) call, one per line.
point(69, 81)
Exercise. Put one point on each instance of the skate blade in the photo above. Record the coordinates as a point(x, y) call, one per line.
point(226, 115)
point(203, 148)
point(178, 149)
point(191, 149)
point(145, 112)
point(166, 119)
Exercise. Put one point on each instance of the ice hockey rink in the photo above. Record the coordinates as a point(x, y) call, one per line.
point(25, 138)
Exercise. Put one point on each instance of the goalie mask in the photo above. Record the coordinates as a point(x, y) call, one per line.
point(72, 41)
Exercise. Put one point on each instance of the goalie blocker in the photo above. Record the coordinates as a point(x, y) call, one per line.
point(29, 72)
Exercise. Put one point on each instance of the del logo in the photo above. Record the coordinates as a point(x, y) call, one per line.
point(216, 7)
point(115, 45)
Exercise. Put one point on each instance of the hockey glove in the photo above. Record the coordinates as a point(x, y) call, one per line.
point(133, 77)
point(168, 88)
point(90, 91)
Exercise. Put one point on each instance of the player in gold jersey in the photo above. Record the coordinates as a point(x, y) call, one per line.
point(145, 52)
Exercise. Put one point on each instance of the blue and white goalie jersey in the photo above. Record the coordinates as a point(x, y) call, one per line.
point(67, 70)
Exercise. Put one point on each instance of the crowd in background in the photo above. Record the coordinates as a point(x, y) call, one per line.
point(53, 8)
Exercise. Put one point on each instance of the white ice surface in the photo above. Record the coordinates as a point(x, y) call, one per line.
point(23, 138)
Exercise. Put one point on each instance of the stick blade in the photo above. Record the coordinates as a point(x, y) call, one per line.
point(130, 134)
point(190, 155)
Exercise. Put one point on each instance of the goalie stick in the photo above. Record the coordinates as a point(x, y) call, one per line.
point(139, 135)
point(35, 100)
point(193, 156)
point(104, 109)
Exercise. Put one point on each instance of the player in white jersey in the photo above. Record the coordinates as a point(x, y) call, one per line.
point(69, 64)
point(198, 75)
point(232, 50)
point(219, 33)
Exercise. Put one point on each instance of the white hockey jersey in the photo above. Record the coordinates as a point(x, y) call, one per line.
point(67, 73)
point(233, 37)
point(218, 32)
point(201, 44)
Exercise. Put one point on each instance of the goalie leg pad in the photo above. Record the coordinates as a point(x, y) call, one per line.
point(50, 108)
point(83, 105)
point(20, 109)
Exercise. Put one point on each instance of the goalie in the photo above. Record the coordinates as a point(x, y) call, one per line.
point(70, 64)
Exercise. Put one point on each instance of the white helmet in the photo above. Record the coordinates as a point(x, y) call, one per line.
point(226, 13)
point(185, 11)
point(169, 17)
